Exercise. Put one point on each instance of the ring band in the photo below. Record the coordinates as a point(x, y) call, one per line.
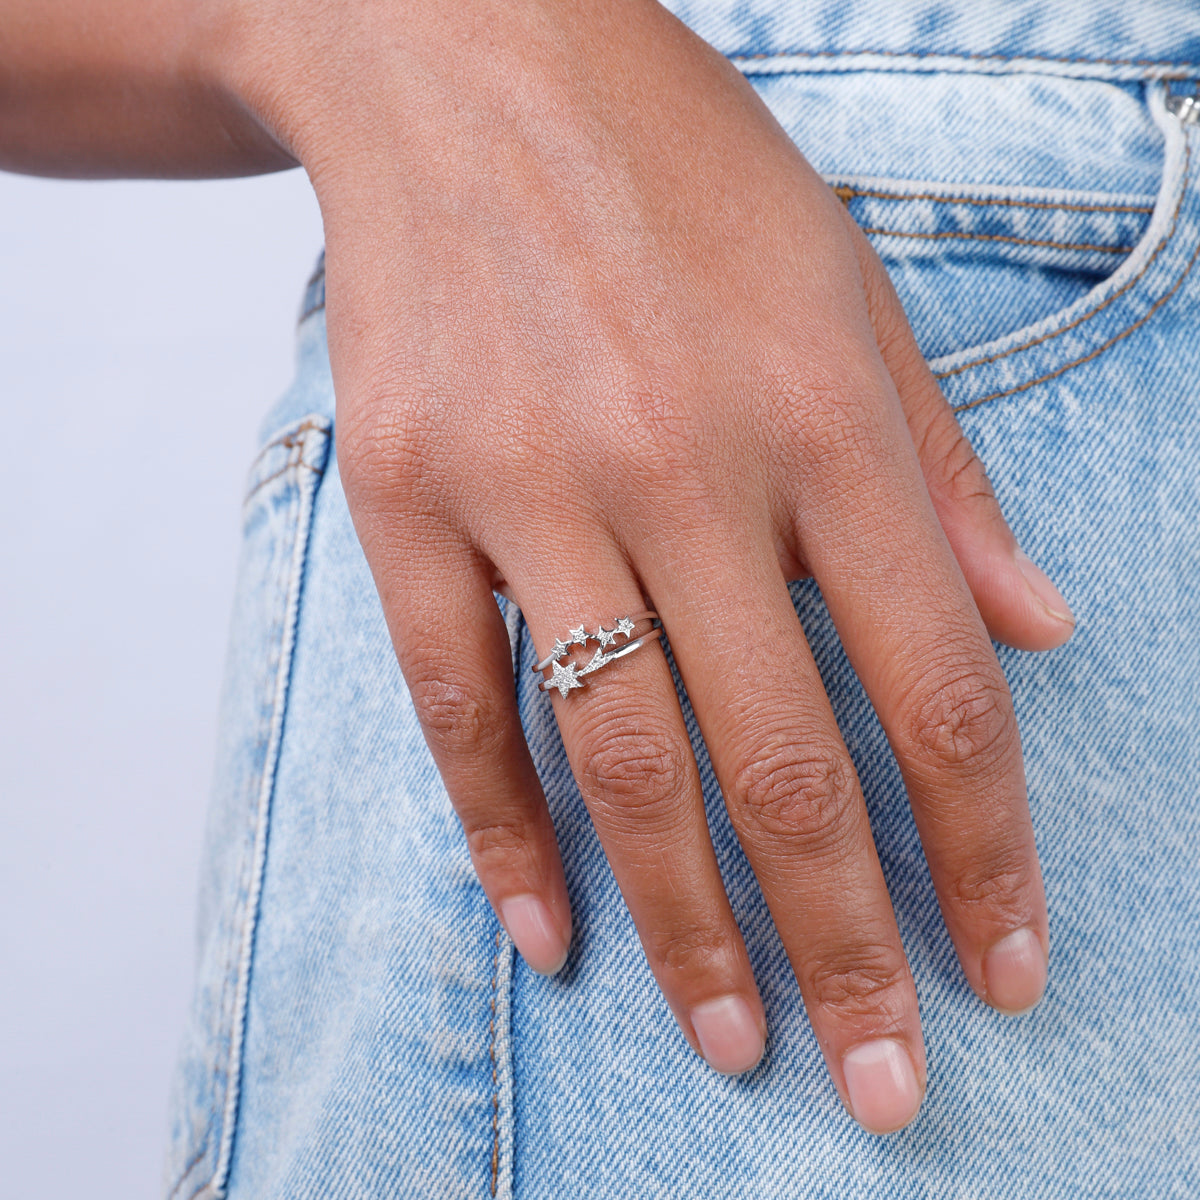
point(566, 675)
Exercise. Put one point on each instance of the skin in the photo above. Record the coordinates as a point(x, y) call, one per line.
point(601, 336)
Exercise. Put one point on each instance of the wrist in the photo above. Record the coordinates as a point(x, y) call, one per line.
point(423, 87)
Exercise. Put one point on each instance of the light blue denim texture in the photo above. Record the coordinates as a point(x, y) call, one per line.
point(362, 1027)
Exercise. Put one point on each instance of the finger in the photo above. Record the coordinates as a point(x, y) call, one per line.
point(793, 797)
point(913, 635)
point(453, 649)
point(629, 749)
point(1018, 602)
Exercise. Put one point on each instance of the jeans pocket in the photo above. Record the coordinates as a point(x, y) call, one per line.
point(277, 514)
point(1029, 221)
point(1151, 269)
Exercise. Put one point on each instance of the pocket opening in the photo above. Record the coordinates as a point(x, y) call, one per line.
point(972, 265)
point(1124, 300)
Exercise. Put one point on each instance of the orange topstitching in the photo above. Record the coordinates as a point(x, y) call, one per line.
point(1087, 316)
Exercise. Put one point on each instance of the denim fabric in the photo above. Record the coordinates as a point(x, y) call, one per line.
point(362, 1027)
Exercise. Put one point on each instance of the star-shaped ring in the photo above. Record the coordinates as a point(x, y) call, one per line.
point(566, 675)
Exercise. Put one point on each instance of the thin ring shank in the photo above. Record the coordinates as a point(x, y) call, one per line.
point(636, 644)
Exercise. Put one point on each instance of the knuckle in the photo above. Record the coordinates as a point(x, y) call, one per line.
point(458, 719)
point(949, 459)
point(812, 387)
point(384, 447)
point(871, 983)
point(633, 766)
point(801, 798)
point(967, 720)
point(998, 894)
point(695, 952)
point(828, 423)
point(495, 843)
point(653, 435)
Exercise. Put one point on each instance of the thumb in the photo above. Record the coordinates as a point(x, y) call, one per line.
point(1019, 604)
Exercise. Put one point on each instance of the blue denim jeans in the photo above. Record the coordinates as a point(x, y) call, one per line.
point(362, 1027)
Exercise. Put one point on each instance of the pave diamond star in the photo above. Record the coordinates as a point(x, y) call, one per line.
point(560, 648)
point(579, 636)
point(565, 678)
point(605, 637)
point(625, 626)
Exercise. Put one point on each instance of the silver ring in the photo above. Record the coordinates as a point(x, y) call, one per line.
point(566, 674)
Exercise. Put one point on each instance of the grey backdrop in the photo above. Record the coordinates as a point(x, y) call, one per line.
point(144, 329)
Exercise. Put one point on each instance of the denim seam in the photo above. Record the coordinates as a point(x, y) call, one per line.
point(225, 1010)
point(293, 436)
point(191, 1166)
point(964, 56)
point(237, 933)
point(502, 1047)
point(293, 439)
point(296, 439)
point(291, 465)
point(964, 234)
point(1087, 316)
point(1062, 370)
point(500, 1180)
point(226, 1113)
point(304, 498)
point(847, 192)
point(495, 1073)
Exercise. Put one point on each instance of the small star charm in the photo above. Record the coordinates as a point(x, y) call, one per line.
point(560, 648)
point(605, 637)
point(579, 636)
point(564, 678)
point(625, 626)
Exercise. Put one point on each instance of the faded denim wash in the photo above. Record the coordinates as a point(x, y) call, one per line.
point(362, 1027)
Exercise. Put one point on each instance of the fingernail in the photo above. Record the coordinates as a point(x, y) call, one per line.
point(1014, 971)
point(1048, 596)
point(532, 929)
point(729, 1036)
point(883, 1088)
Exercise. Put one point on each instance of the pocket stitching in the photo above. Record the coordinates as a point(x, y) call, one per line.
point(495, 1070)
point(848, 192)
point(305, 498)
point(229, 1029)
point(224, 1051)
point(1062, 370)
point(966, 56)
point(998, 237)
point(1083, 318)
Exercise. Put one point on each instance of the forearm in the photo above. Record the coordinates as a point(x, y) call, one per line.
point(226, 87)
point(101, 88)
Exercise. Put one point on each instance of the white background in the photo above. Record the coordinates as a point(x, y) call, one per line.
point(144, 330)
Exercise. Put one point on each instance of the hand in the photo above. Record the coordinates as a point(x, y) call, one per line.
point(600, 333)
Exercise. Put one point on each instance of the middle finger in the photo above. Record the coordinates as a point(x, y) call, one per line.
point(794, 800)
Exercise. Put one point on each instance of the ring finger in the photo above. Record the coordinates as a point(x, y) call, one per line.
point(629, 750)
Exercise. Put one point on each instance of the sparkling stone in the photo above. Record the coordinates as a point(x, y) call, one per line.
point(625, 626)
point(579, 636)
point(560, 648)
point(565, 677)
point(606, 637)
